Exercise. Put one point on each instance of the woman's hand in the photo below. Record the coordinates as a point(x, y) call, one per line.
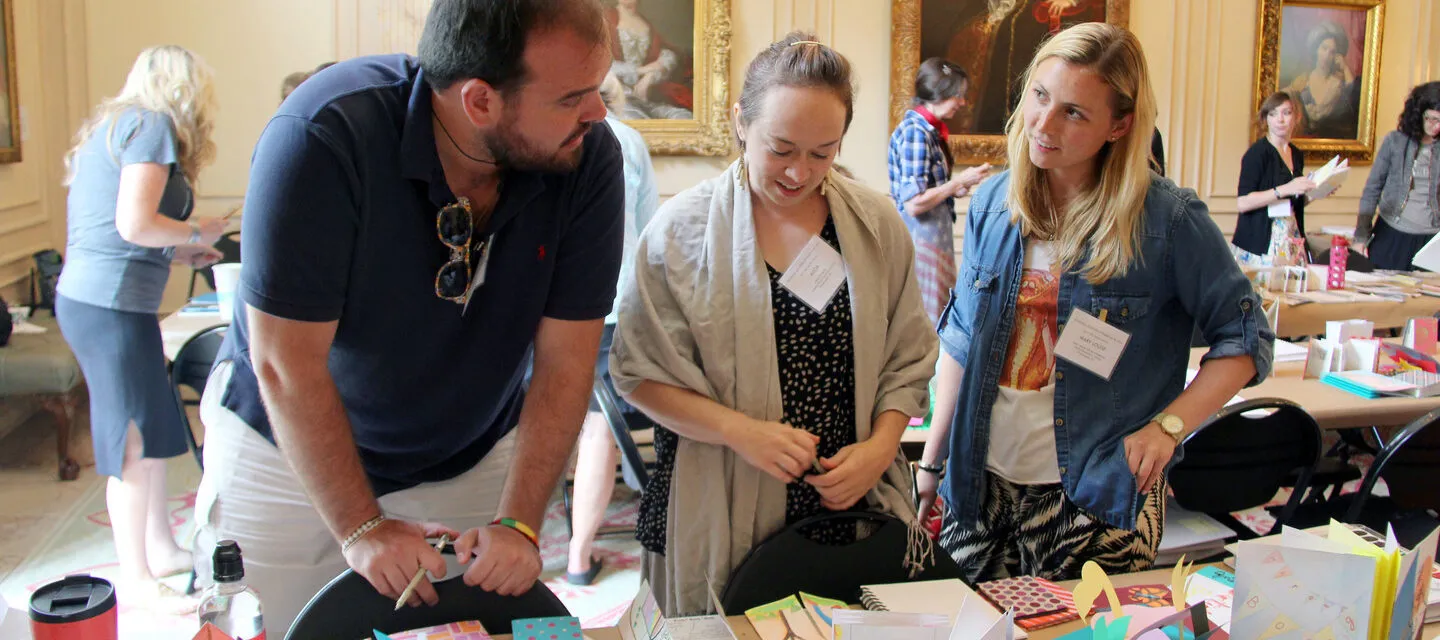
point(851, 473)
point(780, 450)
point(1298, 186)
point(1148, 451)
point(965, 180)
point(197, 256)
point(211, 229)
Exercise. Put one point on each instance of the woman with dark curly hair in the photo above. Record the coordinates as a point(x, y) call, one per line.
point(1402, 185)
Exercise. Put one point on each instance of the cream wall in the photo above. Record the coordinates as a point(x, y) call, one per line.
point(72, 53)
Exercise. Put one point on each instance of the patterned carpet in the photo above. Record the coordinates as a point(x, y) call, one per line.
point(81, 543)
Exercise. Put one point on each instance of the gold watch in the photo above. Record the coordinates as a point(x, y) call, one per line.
point(1171, 424)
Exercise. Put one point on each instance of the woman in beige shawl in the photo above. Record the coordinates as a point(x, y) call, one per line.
point(779, 398)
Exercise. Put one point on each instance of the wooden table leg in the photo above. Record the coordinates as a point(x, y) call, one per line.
point(62, 408)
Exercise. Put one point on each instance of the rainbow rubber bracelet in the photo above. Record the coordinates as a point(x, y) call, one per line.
point(517, 525)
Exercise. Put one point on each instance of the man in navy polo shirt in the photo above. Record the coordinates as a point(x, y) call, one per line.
point(414, 231)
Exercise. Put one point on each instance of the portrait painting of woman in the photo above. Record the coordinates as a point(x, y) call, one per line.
point(652, 66)
point(1321, 58)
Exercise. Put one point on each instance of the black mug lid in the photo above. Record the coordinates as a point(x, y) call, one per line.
point(72, 599)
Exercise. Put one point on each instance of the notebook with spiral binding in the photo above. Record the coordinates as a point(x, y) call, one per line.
point(925, 596)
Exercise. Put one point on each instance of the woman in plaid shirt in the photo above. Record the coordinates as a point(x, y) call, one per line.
point(920, 181)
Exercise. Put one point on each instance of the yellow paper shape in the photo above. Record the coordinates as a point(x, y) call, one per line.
point(1093, 582)
point(1282, 624)
point(1387, 576)
point(1178, 578)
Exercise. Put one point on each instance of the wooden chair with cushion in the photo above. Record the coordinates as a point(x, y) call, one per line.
point(40, 369)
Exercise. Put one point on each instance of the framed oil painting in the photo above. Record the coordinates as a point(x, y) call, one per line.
point(1326, 55)
point(672, 58)
point(993, 41)
point(9, 92)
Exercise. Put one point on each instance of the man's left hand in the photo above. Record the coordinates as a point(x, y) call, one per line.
point(505, 561)
point(850, 474)
point(1148, 451)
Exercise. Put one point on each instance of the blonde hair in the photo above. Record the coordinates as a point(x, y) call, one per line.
point(1105, 219)
point(169, 80)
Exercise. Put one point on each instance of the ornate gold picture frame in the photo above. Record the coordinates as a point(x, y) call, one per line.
point(969, 33)
point(676, 81)
point(1326, 54)
point(9, 91)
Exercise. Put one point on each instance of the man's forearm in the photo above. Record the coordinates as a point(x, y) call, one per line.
point(549, 425)
point(314, 434)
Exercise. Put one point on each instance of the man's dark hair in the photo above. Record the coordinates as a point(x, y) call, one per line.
point(486, 39)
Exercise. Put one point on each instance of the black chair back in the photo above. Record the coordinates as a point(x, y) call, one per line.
point(632, 465)
point(348, 607)
point(191, 368)
point(788, 562)
point(1236, 461)
point(1410, 465)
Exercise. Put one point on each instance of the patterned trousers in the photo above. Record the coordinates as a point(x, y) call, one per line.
point(1036, 530)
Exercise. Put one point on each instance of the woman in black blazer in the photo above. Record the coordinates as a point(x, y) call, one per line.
point(1272, 171)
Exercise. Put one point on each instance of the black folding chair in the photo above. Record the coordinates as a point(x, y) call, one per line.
point(1410, 465)
point(788, 562)
point(191, 368)
point(348, 607)
point(1242, 456)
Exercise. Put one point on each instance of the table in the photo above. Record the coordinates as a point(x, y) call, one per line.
point(1309, 319)
point(1331, 407)
point(743, 631)
point(178, 328)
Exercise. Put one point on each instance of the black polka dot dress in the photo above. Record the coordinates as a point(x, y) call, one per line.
point(816, 360)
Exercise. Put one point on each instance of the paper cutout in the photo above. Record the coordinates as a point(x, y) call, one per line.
point(380, 635)
point(554, 628)
point(1155, 611)
point(211, 632)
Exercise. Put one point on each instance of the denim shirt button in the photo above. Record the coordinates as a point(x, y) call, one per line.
point(1059, 422)
point(1245, 305)
point(1062, 471)
point(1059, 375)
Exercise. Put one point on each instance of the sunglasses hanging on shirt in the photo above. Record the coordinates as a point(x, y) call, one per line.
point(456, 280)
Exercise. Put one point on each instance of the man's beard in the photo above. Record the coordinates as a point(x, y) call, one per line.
point(515, 152)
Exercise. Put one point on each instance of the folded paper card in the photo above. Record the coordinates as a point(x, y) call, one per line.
point(467, 630)
point(555, 628)
point(856, 624)
point(928, 596)
point(1339, 586)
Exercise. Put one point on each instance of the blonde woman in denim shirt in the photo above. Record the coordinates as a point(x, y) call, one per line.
point(1402, 185)
point(1052, 465)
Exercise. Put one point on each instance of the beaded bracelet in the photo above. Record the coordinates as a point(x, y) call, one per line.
point(360, 531)
point(523, 528)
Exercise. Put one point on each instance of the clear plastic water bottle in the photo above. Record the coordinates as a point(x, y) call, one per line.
point(229, 604)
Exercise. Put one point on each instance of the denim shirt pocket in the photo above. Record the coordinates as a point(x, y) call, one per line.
point(1119, 309)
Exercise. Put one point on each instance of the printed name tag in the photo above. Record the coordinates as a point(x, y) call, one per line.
point(816, 274)
point(1091, 343)
point(1280, 209)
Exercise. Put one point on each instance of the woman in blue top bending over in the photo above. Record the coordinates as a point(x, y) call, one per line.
point(1057, 456)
